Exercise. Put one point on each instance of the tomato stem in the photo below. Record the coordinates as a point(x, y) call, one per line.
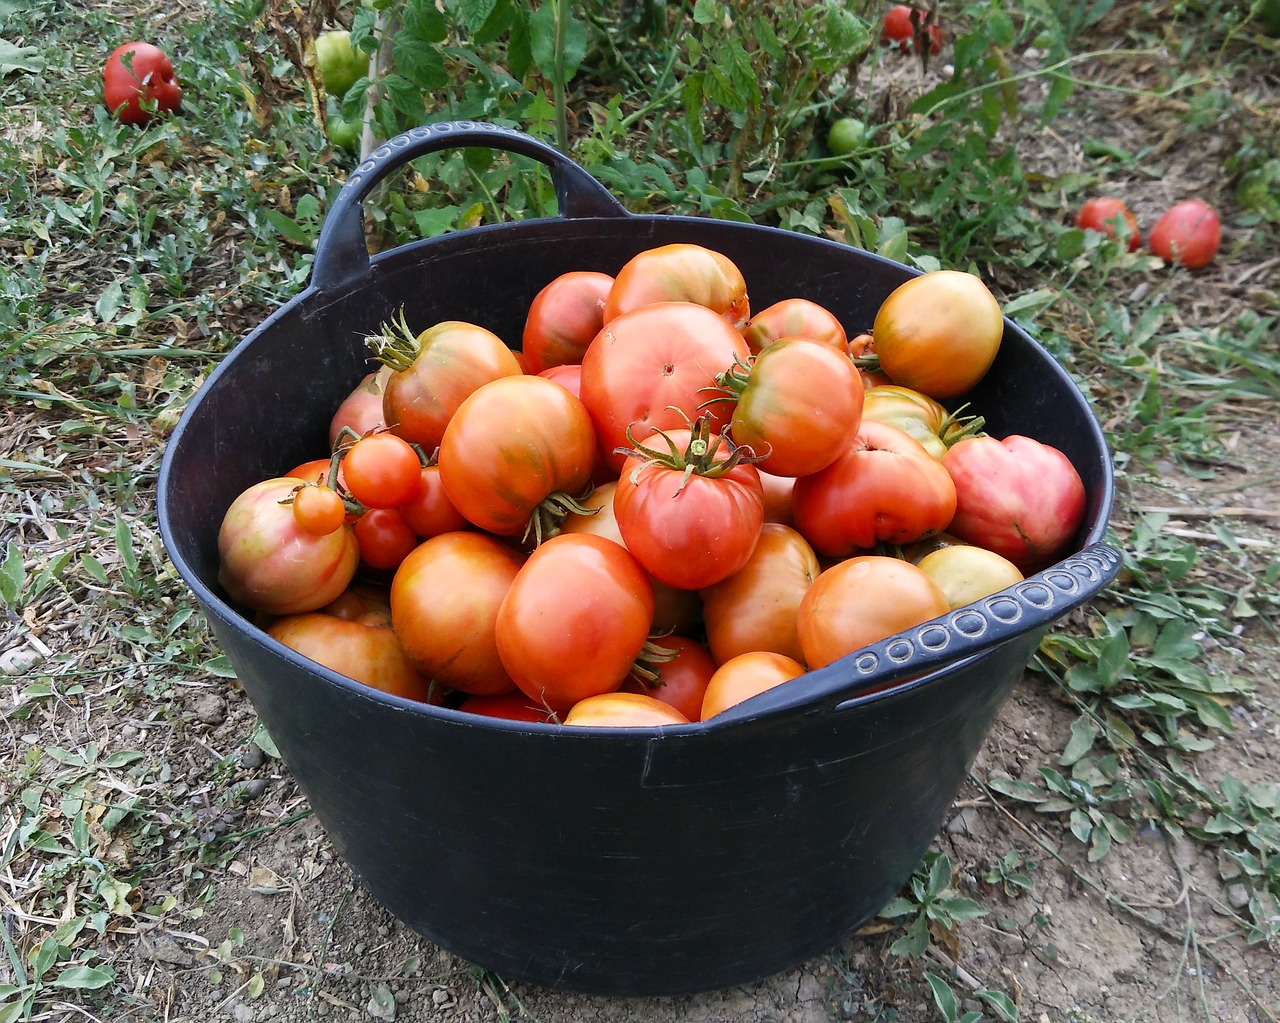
point(397, 346)
point(546, 519)
point(701, 456)
point(647, 668)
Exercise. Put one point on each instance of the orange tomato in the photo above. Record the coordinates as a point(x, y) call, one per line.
point(745, 676)
point(623, 710)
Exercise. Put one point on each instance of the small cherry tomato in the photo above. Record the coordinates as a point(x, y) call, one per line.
point(429, 512)
point(904, 26)
point(381, 470)
point(318, 509)
point(385, 538)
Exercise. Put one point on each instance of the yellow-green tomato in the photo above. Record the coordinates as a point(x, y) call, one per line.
point(339, 63)
point(966, 573)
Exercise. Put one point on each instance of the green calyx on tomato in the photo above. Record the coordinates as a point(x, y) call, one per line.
point(339, 63)
point(702, 456)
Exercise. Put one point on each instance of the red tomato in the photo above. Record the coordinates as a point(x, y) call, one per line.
point(797, 404)
point(649, 368)
point(861, 601)
point(434, 373)
point(568, 376)
point(1018, 497)
point(574, 620)
point(966, 573)
point(623, 710)
point(938, 333)
point(511, 445)
point(883, 487)
point(756, 607)
point(361, 411)
point(563, 318)
point(691, 516)
point(900, 31)
point(681, 272)
point(385, 538)
point(316, 470)
point(1106, 216)
point(429, 512)
point(1188, 234)
point(269, 563)
point(452, 640)
point(796, 317)
point(513, 706)
point(381, 470)
point(745, 676)
point(681, 680)
point(137, 81)
point(367, 653)
point(674, 610)
point(318, 509)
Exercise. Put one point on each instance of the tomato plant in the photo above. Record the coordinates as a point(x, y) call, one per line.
point(381, 470)
point(906, 28)
point(1187, 234)
point(340, 64)
point(515, 454)
point(745, 676)
point(796, 402)
point(649, 369)
point(452, 640)
point(269, 563)
point(863, 600)
point(938, 333)
point(796, 317)
point(691, 514)
point(434, 372)
point(138, 81)
point(623, 710)
point(756, 607)
point(1018, 497)
point(884, 487)
point(563, 319)
point(1110, 217)
point(367, 653)
point(681, 272)
point(574, 620)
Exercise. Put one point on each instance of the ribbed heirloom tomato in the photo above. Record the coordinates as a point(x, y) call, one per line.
point(796, 317)
point(574, 620)
point(650, 368)
point(681, 272)
point(563, 318)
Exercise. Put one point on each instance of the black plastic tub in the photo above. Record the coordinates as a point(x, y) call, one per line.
point(628, 862)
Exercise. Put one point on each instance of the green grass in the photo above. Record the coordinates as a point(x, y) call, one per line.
point(134, 259)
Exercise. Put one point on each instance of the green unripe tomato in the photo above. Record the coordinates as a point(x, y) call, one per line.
point(846, 136)
point(339, 64)
point(345, 134)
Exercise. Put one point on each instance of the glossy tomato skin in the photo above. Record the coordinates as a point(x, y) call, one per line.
point(796, 317)
point(513, 706)
point(150, 77)
point(385, 538)
point(938, 333)
point(1105, 215)
point(745, 676)
point(965, 572)
point(898, 31)
point(756, 607)
point(367, 653)
point(674, 610)
point(649, 368)
point(574, 620)
point(799, 403)
point(682, 680)
point(444, 605)
point(1018, 497)
point(429, 512)
point(563, 319)
point(681, 272)
point(1188, 234)
point(361, 411)
point(449, 361)
point(688, 531)
point(269, 563)
point(623, 710)
point(778, 493)
point(884, 487)
point(511, 444)
point(863, 600)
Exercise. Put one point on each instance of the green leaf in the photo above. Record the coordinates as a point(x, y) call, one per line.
point(1001, 1002)
point(287, 227)
point(1084, 731)
point(262, 739)
point(13, 575)
point(542, 34)
point(474, 13)
point(85, 978)
point(897, 907)
point(943, 997)
point(219, 667)
point(406, 93)
point(1023, 791)
point(19, 58)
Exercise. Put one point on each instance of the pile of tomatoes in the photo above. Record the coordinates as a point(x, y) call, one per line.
point(660, 506)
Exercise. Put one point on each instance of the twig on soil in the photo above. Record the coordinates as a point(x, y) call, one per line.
point(1196, 534)
point(1209, 513)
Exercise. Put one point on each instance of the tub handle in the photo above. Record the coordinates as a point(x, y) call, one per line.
point(341, 255)
point(1036, 602)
